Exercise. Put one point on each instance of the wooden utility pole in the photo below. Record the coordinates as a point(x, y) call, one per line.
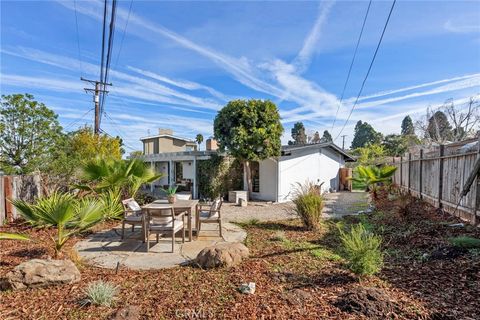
point(343, 141)
point(96, 99)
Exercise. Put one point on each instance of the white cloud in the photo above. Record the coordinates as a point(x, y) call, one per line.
point(469, 27)
point(302, 61)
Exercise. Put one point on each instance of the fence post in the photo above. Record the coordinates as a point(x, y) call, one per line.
point(420, 174)
point(476, 207)
point(393, 163)
point(440, 175)
point(3, 216)
point(409, 171)
point(401, 172)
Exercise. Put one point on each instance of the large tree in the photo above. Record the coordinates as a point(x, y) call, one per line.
point(327, 137)
point(438, 128)
point(464, 118)
point(29, 132)
point(407, 126)
point(316, 138)
point(249, 131)
point(74, 149)
point(365, 134)
point(299, 135)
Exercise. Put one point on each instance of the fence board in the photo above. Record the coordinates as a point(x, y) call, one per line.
point(438, 175)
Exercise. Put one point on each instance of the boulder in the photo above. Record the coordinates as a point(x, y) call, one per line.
point(37, 273)
point(223, 254)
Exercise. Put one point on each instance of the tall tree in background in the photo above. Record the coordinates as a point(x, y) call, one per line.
point(407, 126)
point(365, 134)
point(249, 131)
point(316, 137)
point(464, 118)
point(298, 133)
point(199, 140)
point(327, 137)
point(29, 132)
point(438, 128)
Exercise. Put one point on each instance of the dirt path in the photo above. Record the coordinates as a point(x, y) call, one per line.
point(336, 205)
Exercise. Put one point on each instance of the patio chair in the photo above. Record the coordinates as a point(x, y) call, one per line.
point(132, 214)
point(163, 221)
point(209, 213)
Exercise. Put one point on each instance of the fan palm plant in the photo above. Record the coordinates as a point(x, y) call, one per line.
point(64, 212)
point(13, 236)
point(120, 176)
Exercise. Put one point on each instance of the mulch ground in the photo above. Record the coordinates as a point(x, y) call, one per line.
point(298, 275)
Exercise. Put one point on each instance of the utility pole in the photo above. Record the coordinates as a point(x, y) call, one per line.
point(96, 99)
point(343, 141)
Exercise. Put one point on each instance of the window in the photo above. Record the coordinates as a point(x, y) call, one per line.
point(189, 148)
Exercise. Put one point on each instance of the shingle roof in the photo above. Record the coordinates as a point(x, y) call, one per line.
point(294, 148)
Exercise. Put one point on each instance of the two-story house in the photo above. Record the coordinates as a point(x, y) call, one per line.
point(165, 141)
point(175, 158)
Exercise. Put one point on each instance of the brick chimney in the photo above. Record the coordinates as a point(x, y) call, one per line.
point(165, 131)
point(211, 144)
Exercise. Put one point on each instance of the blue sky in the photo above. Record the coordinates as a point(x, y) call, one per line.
point(182, 61)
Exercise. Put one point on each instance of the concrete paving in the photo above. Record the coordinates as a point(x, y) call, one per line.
point(337, 205)
point(105, 249)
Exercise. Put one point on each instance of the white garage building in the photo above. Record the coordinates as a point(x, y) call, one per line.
point(273, 179)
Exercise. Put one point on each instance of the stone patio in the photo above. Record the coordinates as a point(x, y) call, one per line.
point(105, 249)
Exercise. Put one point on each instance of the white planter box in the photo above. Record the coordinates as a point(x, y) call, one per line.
point(235, 196)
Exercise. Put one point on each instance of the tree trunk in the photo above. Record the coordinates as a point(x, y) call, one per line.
point(247, 177)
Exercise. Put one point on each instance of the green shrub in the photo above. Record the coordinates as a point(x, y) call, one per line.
point(465, 242)
point(112, 207)
point(362, 250)
point(309, 205)
point(101, 293)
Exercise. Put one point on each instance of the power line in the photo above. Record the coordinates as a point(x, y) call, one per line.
point(109, 52)
point(78, 38)
point(118, 130)
point(78, 120)
point(351, 63)
point(123, 36)
point(369, 68)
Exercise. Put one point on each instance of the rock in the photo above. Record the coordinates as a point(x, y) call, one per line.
point(447, 253)
point(223, 254)
point(247, 288)
point(127, 313)
point(38, 273)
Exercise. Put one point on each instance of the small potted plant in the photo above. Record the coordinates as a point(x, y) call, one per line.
point(171, 191)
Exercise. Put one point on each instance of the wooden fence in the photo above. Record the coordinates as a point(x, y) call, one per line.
point(25, 187)
point(437, 175)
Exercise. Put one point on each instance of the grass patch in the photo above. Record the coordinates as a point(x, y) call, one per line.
point(249, 223)
point(465, 242)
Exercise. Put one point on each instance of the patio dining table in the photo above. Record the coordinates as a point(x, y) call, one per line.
point(188, 206)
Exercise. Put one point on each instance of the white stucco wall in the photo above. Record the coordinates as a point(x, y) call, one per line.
point(188, 172)
point(268, 181)
point(318, 167)
point(162, 167)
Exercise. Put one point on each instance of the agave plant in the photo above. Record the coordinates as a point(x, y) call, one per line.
point(13, 236)
point(120, 176)
point(64, 212)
